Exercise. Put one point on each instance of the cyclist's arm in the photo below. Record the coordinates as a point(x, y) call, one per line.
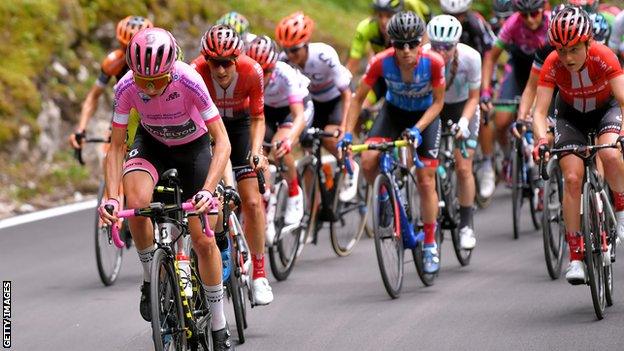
point(473, 83)
point(470, 108)
point(544, 97)
point(615, 40)
point(353, 64)
point(488, 66)
point(88, 109)
point(114, 161)
point(617, 87)
point(348, 124)
point(299, 123)
point(257, 134)
point(528, 96)
point(434, 110)
point(256, 107)
point(220, 154)
point(346, 104)
point(358, 45)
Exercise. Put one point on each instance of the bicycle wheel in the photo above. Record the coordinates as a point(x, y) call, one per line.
point(534, 188)
point(202, 338)
point(352, 217)
point(168, 324)
point(236, 292)
point(283, 252)
point(590, 224)
point(388, 242)
point(306, 172)
point(517, 186)
point(108, 257)
point(553, 229)
point(608, 272)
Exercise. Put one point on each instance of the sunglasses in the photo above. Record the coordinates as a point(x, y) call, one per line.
point(531, 14)
point(400, 45)
point(152, 83)
point(225, 63)
point(442, 46)
point(295, 49)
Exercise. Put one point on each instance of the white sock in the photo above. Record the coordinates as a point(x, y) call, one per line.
point(146, 255)
point(214, 296)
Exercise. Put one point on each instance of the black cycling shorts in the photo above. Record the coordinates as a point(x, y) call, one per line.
point(281, 117)
point(392, 122)
point(572, 126)
point(238, 131)
point(192, 160)
point(328, 112)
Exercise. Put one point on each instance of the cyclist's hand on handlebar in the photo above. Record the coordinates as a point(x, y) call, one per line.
point(76, 139)
point(540, 150)
point(262, 165)
point(414, 135)
point(202, 201)
point(344, 143)
point(463, 131)
point(283, 148)
point(486, 100)
point(109, 218)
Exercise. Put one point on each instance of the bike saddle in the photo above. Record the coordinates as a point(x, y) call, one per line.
point(171, 176)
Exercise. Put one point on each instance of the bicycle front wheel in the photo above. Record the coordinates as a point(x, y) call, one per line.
point(283, 252)
point(553, 230)
point(306, 172)
point(388, 242)
point(108, 257)
point(517, 187)
point(351, 216)
point(590, 224)
point(168, 324)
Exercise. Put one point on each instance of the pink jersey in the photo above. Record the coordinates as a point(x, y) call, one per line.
point(178, 116)
point(515, 35)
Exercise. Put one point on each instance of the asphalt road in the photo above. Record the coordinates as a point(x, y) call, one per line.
point(503, 300)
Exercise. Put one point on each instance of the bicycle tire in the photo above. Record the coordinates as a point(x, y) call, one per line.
point(200, 310)
point(517, 188)
point(536, 214)
point(306, 171)
point(553, 230)
point(167, 310)
point(610, 229)
point(283, 252)
point(593, 252)
point(386, 234)
point(108, 257)
point(234, 288)
point(342, 235)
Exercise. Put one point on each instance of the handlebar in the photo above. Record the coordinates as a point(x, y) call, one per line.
point(82, 137)
point(386, 146)
point(260, 175)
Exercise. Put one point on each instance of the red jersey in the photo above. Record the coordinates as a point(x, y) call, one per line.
point(587, 89)
point(244, 96)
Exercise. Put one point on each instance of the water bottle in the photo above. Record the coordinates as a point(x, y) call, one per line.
point(442, 171)
point(184, 267)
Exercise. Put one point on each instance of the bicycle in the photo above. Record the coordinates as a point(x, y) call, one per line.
point(395, 214)
point(179, 321)
point(598, 223)
point(284, 245)
point(553, 228)
point(321, 184)
point(524, 183)
point(108, 257)
point(446, 185)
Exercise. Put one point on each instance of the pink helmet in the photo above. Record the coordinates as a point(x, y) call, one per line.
point(151, 52)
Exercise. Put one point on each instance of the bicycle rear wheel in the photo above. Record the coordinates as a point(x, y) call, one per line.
point(553, 230)
point(351, 216)
point(590, 224)
point(388, 242)
point(108, 257)
point(168, 324)
point(234, 286)
point(517, 186)
point(202, 338)
point(283, 252)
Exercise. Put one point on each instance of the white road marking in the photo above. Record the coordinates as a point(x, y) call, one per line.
point(51, 212)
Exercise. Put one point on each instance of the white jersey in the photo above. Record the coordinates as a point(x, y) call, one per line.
point(467, 77)
point(327, 75)
point(615, 39)
point(286, 86)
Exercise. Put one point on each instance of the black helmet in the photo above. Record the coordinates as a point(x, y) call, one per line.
point(393, 6)
point(528, 5)
point(502, 8)
point(406, 26)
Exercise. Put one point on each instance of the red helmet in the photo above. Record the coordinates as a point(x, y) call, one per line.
point(570, 26)
point(262, 49)
point(129, 26)
point(221, 41)
point(294, 30)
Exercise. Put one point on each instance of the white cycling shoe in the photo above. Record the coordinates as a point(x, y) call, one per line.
point(575, 273)
point(467, 240)
point(349, 186)
point(294, 209)
point(487, 182)
point(262, 292)
point(619, 216)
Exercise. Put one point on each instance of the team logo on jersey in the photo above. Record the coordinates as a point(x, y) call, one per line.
point(173, 96)
point(146, 98)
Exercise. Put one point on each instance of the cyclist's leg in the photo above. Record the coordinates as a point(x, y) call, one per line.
point(428, 153)
point(328, 116)
point(504, 116)
point(465, 176)
point(385, 128)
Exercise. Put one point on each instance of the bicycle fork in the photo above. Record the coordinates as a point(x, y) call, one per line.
point(405, 228)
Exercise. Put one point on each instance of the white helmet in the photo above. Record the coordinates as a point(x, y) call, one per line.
point(455, 6)
point(444, 29)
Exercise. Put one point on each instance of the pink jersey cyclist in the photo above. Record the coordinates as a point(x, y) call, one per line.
point(177, 117)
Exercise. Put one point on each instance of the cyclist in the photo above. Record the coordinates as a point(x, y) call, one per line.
point(239, 23)
point(461, 105)
point(113, 65)
point(236, 85)
point(522, 34)
point(615, 41)
point(158, 86)
point(413, 101)
point(329, 79)
point(502, 9)
point(288, 110)
point(591, 96)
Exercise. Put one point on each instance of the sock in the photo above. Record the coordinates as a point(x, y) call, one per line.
point(618, 201)
point(146, 255)
point(214, 296)
point(487, 161)
point(465, 216)
point(258, 266)
point(293, 187)
point(575, 240)
point(429, 233)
